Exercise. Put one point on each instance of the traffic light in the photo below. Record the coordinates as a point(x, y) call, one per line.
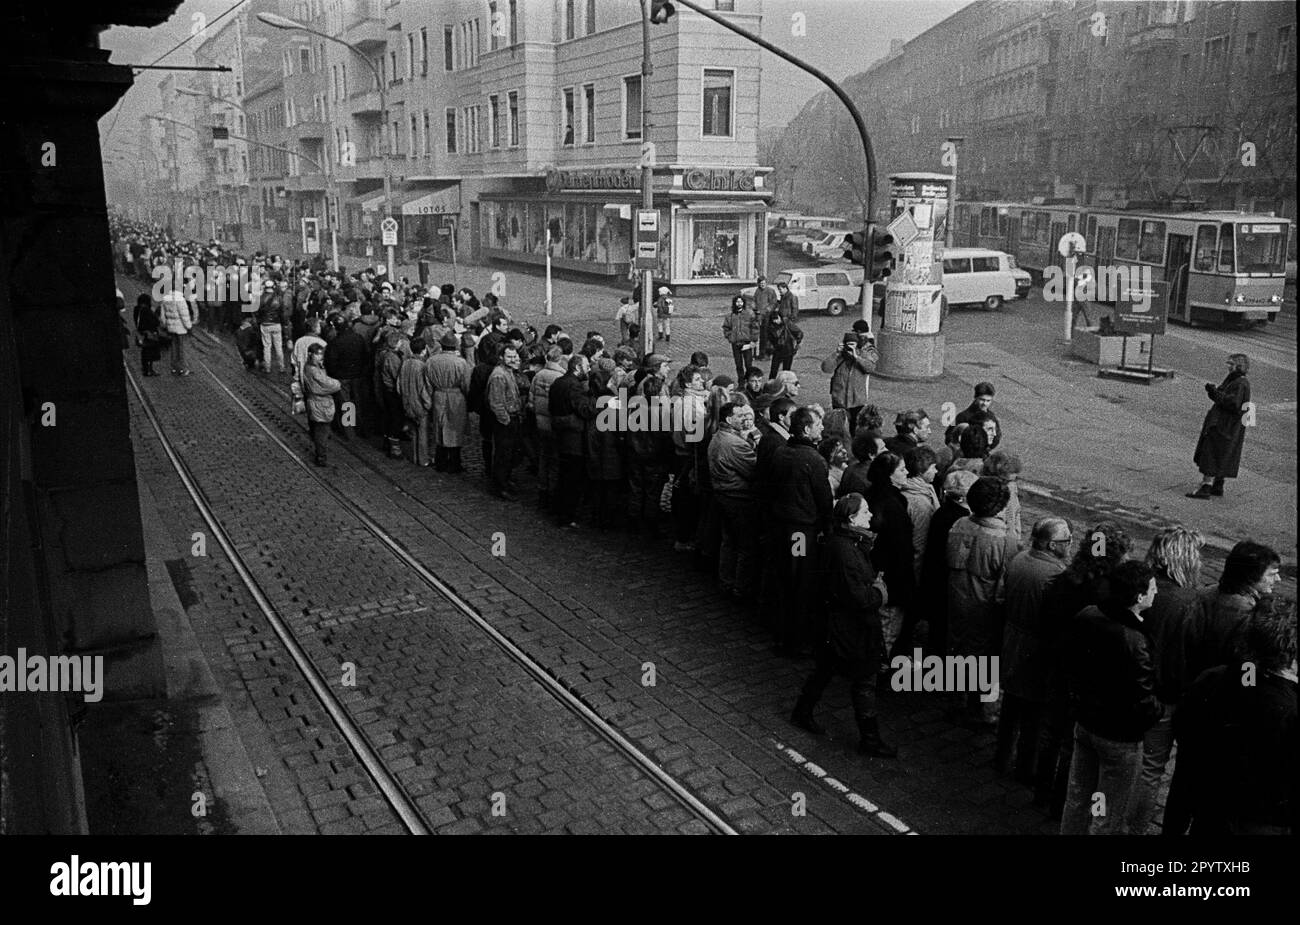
point(879, 260)
point(855, 245)
point(661, 11)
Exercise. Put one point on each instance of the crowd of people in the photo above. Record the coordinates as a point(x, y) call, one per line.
point(856, 547)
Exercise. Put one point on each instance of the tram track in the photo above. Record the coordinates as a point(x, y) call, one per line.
point(390, 787)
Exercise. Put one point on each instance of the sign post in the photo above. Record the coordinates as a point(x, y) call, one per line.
point(1070, 246)
point(388, 228)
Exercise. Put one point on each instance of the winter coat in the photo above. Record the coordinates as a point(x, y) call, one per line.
point(177, 316)
point(853, 601)
point(1239, 745)
point(540, 390)
point(979, 551)
point(849, 382)
point(787, 306)
point(413, 387)
point(965, 415)
point(784, 339)
point(1108, 664)
point(893, 552)
point(388, 368)
point(501, 397)
point(740, 327)
point(1165, 624)
point(801, 488)
point(1218, 451)
point(1211, 631)
point(922, 502)
point(1024, 664)
point(272, 309)
point(604, 447)
point(319, 389)
point(345, 355)
point(447, 375)
point(146, 325)
point(651, 447)
point(733, 462)
point(572, 411)
point(765, 300)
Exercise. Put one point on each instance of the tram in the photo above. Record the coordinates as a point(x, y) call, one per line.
point(1220, 267)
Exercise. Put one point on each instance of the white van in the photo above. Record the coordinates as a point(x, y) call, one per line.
point(975, 276)
point(831, 289)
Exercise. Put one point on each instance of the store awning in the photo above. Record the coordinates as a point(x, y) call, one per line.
point(433, 202)
point(368, 202)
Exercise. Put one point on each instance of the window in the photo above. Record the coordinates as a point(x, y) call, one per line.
point(494, 27)
point(1152, 246)
point(448, 49)
point(717, 102)
point(451, 131)
point(833, 279)
point(1261, 248)
point(1207, 240)
point(513, 98)
point(1285, 36)
point(589, 114)
point(591, 17)
point(1252, 40)
point(1214, 53)
point(568, 117)
point(1226, 262)
point(424, 50)
point(494, 121)
point(410, 54)
point(956, 265)
point(428, 136)
point(414, 148)
point(985, 265)
point(570, 17)
point(304, 60)
point(471, 129)
point(632, 107)
point(392, 65)
point(514, 22)
point(1126, 240)
point(725, 6)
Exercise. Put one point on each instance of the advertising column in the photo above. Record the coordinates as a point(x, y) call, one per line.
point(910, 341)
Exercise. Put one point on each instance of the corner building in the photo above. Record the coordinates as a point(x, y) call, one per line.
point(507, 120)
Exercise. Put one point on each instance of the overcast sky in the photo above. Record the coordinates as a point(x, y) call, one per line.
point(843, 37)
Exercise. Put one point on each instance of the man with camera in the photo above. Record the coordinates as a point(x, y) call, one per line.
point(849, 367)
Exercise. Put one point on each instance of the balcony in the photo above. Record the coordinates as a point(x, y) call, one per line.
point(365, 103)
point(306, 183)
point(366, 168)
point(366, 28)
point(309, 129)
point(1158, 35)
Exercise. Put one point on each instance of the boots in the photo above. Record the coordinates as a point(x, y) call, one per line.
point(394, 447)
point(803, 717)
point(1203, 492)
point(872, 744)
point(1216, 490)
point(454, 466)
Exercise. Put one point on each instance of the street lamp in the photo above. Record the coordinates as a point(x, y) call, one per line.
point(283, 22)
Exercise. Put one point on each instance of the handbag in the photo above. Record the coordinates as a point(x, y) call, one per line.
point(297, 404)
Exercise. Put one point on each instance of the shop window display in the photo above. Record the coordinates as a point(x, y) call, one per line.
point(715, 248)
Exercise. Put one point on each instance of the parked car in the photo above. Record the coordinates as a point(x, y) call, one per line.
point(976, 276)
point(796, 238)
point(831, 289)
point(828, 248)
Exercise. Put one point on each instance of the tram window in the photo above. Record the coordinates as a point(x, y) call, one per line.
point(1042, 227)
point(1226, 262)
point(1207, 238)
point(1260, 248)
point(1126, 240)
point(1071, 222)
point(1152, 248)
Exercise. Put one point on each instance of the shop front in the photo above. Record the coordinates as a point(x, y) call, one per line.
point(712, 224)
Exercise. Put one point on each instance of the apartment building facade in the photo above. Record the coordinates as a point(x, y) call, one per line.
point(516, 126)
point(1100, 101)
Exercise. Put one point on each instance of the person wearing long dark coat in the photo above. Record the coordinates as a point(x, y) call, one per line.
point(1218, 452)
point(147, 331)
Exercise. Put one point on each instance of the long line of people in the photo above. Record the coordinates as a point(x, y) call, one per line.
point(855, 548)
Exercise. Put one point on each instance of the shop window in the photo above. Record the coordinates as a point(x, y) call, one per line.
point(715, 248)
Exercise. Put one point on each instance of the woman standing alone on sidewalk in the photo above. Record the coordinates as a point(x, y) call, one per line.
point(1218, 452)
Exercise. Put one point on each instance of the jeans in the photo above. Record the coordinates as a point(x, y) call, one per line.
point(419, 439)
point(178, 353)
point(505, 446)
point(273, 344)
point(1156, 748)
point(320, 438)
point(1103, 766)
point(744, 357)
point(738, 559)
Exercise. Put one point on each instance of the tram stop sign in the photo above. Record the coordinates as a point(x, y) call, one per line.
point(1071, 244)
point(388, 228)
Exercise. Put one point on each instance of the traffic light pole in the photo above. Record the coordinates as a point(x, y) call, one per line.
point(647, 184)
point(835, 88)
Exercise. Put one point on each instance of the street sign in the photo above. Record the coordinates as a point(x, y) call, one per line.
point(647, 220)
point(388, 228)
point(904, 229)
point(647, 239)
point(647, 255)
point(444, 231)
point(1071, 244)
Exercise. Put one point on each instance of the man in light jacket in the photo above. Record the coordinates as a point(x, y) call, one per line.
point(319, 389)
point(848, 368)
point(177, 319)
